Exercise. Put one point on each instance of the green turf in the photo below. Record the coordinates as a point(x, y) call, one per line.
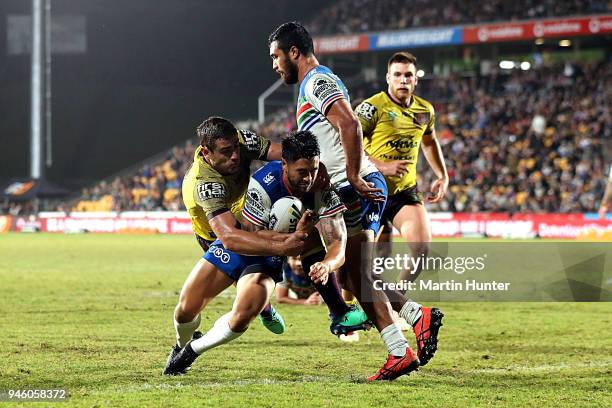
point(92, 314)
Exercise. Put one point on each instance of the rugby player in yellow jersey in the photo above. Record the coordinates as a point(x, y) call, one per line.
point(214, 190)
point(607, 197)
point(395, 124)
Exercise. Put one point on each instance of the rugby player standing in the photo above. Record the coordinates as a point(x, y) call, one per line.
point(607, 197)
point(395, 124)
point(323, 108)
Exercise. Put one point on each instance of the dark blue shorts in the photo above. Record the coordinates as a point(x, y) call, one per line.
point(236, 266)
point(363, 214)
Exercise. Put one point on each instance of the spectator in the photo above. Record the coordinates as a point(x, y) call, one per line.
point(356, 16)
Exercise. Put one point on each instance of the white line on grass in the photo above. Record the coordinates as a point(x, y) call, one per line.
point(543, 367)
point(260, 381)
point(353, 379)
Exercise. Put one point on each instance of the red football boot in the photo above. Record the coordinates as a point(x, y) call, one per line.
point(426, 332)
point(396, 366)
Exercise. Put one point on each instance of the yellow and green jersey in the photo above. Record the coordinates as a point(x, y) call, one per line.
point(393, 132)
point(206, 193)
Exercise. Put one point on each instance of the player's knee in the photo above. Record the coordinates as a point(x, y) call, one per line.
point(420, 248)
point(185, 311)
point(241, 319)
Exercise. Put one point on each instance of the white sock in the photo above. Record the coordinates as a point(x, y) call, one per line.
point(411, 311)
point(219, 334)
point(394, 340)
point(184, 331)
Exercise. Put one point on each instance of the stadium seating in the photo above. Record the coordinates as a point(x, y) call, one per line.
point(499, 156)
point(350, 16)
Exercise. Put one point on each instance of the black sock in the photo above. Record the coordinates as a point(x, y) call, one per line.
point(332, 296)
point(267, 311)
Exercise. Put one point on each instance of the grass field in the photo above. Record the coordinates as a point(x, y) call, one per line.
point(92, 314)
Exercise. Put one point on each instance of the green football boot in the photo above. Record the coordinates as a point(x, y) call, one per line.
point(354, 319)
point(274, 322)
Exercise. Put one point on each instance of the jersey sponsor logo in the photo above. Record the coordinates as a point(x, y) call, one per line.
point(220, 254)
point(251, 140)
point(366, 110)
point(254, 203)
point(371, 217)
point(402, 144)
point(392, 115)
point(269, 178)
point(209, 190)
point(324, 87)
point(397, 157)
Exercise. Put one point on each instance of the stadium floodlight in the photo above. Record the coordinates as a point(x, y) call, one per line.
point(420, 73)
point(505, 64)
point(565, 43)
point(525, 65)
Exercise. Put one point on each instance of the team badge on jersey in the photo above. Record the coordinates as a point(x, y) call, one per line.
point(421, 119)
point(324, 87)
point(206, 191)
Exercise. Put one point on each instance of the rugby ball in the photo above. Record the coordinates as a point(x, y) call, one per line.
point(285, 214)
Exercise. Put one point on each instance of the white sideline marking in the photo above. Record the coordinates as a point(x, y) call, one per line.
point(542, 368)
point(320, 379)
point(261, 381)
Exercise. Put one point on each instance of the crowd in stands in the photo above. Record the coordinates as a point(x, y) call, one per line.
point(154, 187)
point(356, 16)
point(514, 141)
point(532, 141)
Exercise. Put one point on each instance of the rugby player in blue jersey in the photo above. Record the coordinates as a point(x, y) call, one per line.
point(294, 176)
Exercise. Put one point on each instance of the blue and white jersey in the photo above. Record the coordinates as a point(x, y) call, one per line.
point(318, 91)
point(266, 187)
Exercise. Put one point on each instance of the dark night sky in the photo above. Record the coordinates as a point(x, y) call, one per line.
point(153, 70)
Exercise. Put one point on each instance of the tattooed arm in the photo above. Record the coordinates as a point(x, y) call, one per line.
point(333, 233)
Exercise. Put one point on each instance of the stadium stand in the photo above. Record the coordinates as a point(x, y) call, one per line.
point(350, 16)
point(520, 141)
point(533, 141)
point(152, 187)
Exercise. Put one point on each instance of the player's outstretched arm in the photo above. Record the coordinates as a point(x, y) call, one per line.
point(341, 116)
point(433, 154)
point(243, 242)
point(333, 233)
point(282, 296)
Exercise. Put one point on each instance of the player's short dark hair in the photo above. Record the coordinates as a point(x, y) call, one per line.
point(292, 34)
point(300, 145)
point(402, 57)
point(215, 128)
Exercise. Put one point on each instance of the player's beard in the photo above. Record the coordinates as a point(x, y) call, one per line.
point(291, 73)
point(298, 187)
point(403, 96)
